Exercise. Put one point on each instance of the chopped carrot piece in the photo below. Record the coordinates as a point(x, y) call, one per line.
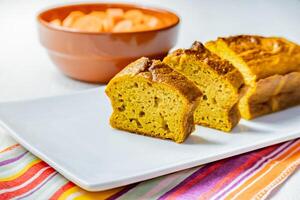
point(131, 14)
point(136, 16)
point(99, 14)
point(56, 22)
point(123, 26)
point(71, 18)
point(88, 23)
point(153, 22)
point(116, 13)
point(108, 24)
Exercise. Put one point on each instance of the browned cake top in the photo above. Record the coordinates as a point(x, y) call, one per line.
point(265, 56)
point(219, 65)
point(251, 47)
point(156, 71)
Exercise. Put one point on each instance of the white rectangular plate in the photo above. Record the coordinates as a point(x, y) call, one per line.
point(72, 134)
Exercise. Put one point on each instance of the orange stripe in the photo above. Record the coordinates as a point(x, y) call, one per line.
point(261, 171)
point(61, 190)
point(270, 176)
point(32, 185)
point(24, 177)
point(280, 179)
point(10, 148)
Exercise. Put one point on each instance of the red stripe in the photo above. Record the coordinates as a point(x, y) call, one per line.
point(24, 177)
point(61, 190)
point(33, 184)
point(254, 158)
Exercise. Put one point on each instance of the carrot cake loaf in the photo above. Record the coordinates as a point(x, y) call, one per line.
point(271, 70)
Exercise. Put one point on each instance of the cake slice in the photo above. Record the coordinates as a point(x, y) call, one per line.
point(150, 98)
point(218, 80)
point(270, 67)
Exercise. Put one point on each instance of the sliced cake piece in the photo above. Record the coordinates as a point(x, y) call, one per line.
point(218, 80)
point(270, 67)
point(150, 98)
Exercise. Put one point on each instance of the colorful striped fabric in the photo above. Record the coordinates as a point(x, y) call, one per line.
point(249, 176)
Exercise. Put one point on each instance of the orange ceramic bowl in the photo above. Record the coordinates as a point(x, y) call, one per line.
point(97, 57)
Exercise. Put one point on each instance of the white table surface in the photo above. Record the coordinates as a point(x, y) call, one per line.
point(26, 72)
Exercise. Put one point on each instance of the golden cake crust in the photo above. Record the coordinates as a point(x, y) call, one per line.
point(265, 56)
point(219, 65)
point(157, 71)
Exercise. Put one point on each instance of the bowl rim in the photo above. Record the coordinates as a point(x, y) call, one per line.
point(137, 6)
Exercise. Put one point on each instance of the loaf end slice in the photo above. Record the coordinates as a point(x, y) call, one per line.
point(151, 99)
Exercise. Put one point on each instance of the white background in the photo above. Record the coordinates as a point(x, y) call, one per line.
point(26, 72)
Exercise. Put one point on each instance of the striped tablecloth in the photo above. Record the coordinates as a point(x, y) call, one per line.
point(249, 176)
